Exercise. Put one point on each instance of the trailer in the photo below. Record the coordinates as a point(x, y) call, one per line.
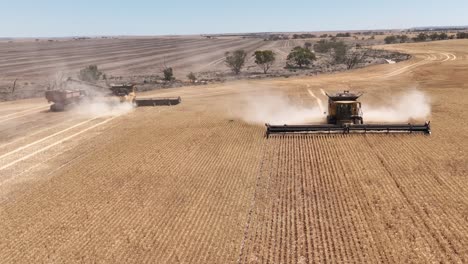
point(63, 98)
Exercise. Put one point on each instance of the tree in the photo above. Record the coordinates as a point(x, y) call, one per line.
point(264, 59)
point(90, 74)
point(354, 57)
point(307, 45)
point(462, 35)
point(443, 36)
point(404, 38)
point(191, 76)
point(168, 73)
point(236, 60)
point(323, 46)
point(339, 52)
point(301, 57)
point(420, 37)
point(434, 36)
point(390, 39)
point(343, 35)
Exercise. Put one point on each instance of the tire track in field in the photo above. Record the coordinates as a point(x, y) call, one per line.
point(345, 222)
point(31, 127)
point(158, 224)
point(446, 228)
point(248, 46)
point(25, 152)
point(43, 58)
point(19, 112)
point(174, 56)
point(23, 113)
point(111, 63)
point(96, 48)
point(247, 226)
point(394, 174)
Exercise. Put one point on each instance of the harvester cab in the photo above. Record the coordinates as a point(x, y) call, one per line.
point(343, 108)
point(125, 92)
point(345, 116)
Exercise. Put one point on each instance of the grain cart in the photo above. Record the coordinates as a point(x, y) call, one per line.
point(345, 116)
point(63, 98)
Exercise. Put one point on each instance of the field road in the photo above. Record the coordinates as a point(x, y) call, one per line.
point(196, 183)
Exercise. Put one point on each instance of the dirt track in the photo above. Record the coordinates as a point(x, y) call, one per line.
point(190, 183)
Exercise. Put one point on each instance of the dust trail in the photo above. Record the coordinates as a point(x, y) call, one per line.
point(275, 108)
point(319, 101)
point(98, 103)
point(102, 106)
point(412, 105)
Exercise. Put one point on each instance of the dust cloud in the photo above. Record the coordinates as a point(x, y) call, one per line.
point(98, 103)
point(102, 106)
point(276, 108)
point(409, 106)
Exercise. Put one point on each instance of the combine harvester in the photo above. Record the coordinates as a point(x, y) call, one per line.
point(345, 116)
point(127, 93)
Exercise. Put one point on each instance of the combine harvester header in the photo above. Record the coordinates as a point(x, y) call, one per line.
point(345, 116)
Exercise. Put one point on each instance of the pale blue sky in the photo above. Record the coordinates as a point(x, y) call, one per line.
point(49, 18)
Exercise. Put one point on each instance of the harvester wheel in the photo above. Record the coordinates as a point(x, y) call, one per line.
point(56, 107)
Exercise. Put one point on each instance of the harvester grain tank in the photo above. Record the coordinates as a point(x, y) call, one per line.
point(345, 116)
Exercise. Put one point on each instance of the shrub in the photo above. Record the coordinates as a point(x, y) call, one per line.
point(323, 46)
point(168, 74)
point(434, 36)
point(343, 35)
point(420, 37)
point(191, 76)
point(443, 36)
point(462, 35)
point(404, 39)
point(390, 39)
point(339, 52)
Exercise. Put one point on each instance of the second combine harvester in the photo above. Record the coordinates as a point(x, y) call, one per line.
point(345, 116)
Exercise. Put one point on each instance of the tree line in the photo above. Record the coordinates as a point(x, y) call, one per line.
point(300, 57)
point(421, 37)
